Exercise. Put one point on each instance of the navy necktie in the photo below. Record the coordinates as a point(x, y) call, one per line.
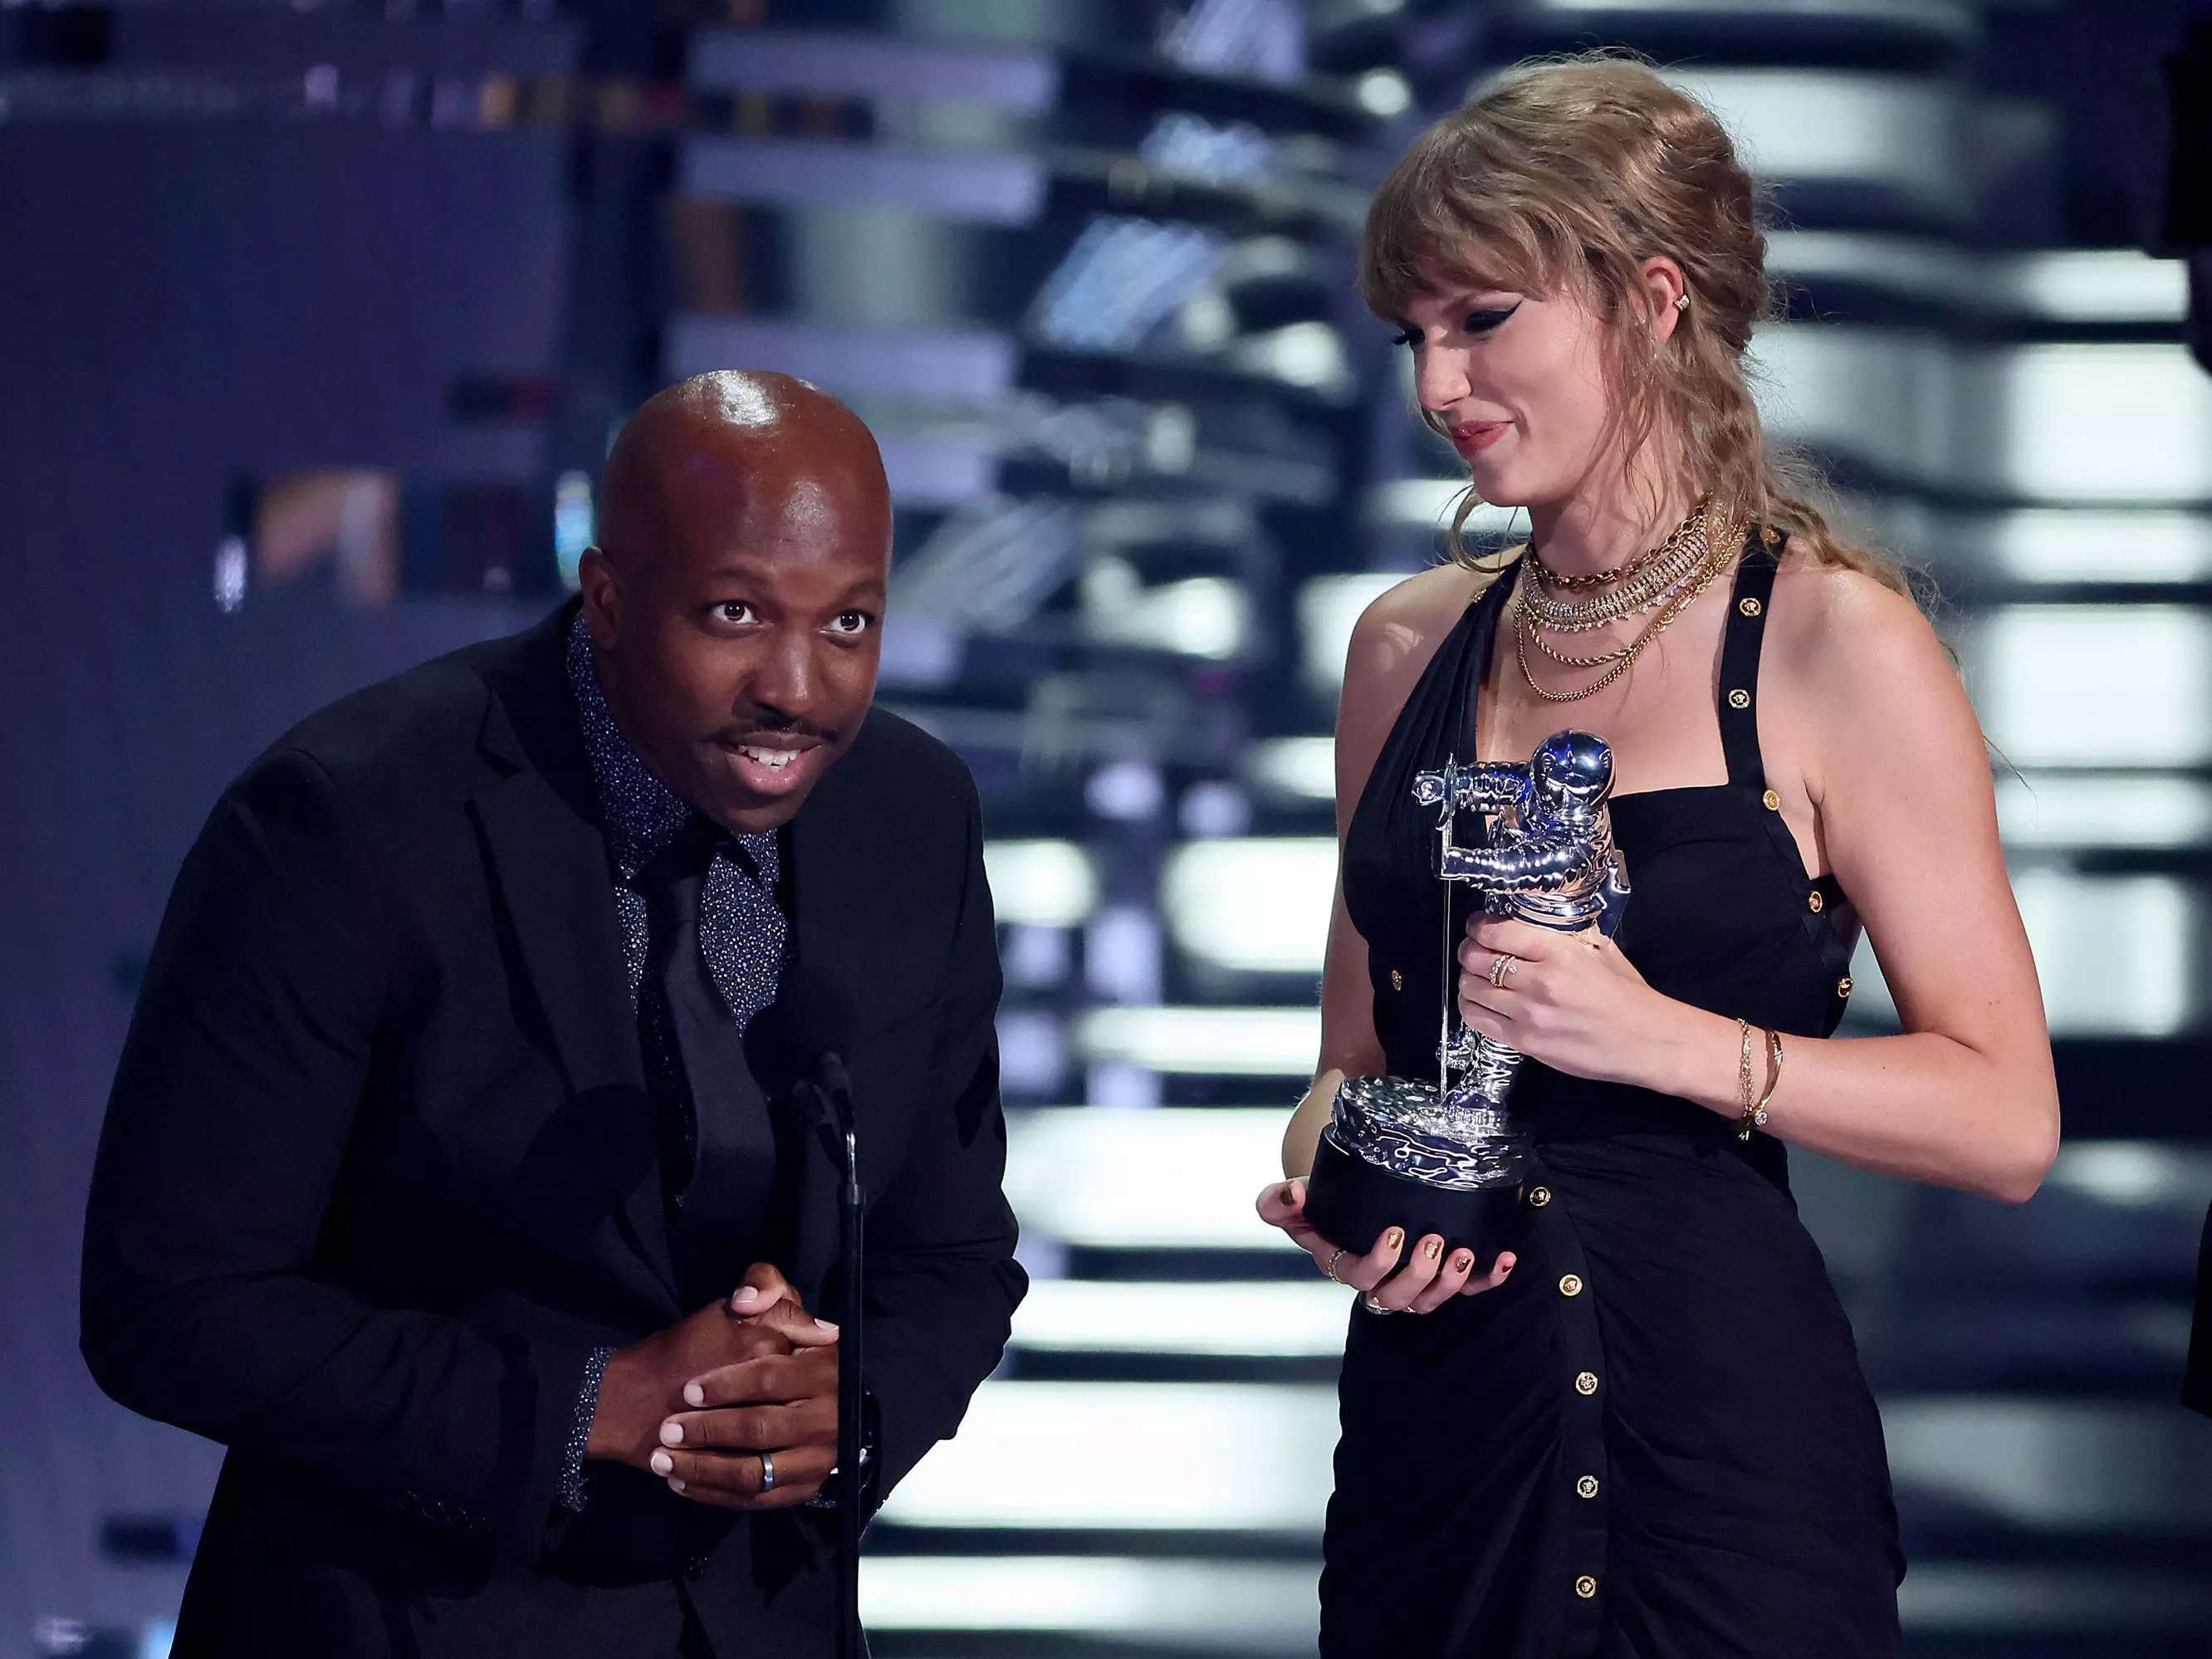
point(718, 1152)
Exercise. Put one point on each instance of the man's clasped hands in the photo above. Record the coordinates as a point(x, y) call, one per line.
point(735, 1405)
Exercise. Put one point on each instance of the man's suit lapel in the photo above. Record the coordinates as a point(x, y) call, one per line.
point(540, 826)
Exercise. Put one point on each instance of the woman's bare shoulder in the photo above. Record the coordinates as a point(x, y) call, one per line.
point(1867, 669)
point(1835, 623)
point(1402, 626)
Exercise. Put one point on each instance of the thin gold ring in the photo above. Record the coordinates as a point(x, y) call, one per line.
point(1329, 1271)
point(1500, 969)
point(1368, 1300)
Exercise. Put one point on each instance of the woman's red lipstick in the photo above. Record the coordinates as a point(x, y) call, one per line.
point(1476, 436)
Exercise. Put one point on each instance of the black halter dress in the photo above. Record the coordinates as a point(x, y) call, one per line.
point(1654, 1439)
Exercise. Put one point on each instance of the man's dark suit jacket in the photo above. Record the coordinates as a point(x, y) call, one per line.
point(379, 1172)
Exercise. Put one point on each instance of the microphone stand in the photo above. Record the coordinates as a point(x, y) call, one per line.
point(835, 1092)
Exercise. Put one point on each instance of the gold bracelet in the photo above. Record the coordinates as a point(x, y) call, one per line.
point(1773, 1078)
point(1743, 1073)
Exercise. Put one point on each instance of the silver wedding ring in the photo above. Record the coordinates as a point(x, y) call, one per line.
point(1503, 966)
point(767, 1471)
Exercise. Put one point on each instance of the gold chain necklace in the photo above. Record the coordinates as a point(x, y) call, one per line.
point(1622, 571)
point(1675, 561)
point(1536, 622)
point(1570, 583)
point(1718, 557)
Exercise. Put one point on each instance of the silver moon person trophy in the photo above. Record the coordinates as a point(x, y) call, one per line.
point(1443, 1156)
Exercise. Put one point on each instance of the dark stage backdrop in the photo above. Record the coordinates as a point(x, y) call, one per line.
point(178, 304)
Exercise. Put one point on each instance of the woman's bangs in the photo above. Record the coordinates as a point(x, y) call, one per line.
point(1442, 248)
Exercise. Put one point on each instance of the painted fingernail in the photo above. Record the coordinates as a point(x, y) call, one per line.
point(1461, 1262)
point(1432, 1247)
point(693, 1394)
point(1395, 1239)
point(662, 1463)
point(672, 1434)
point(675, 1485)
point(745, 1297)
point(825, 1327)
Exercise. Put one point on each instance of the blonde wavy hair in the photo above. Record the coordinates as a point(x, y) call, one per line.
point(1570, 173)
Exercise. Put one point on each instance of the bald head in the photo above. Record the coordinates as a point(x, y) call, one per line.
point(733, 443)
point(735, 595)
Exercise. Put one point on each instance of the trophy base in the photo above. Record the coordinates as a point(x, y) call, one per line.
point(1352, 1203)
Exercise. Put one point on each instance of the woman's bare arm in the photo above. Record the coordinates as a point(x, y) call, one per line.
point(1898, 771)
point(1858, 695)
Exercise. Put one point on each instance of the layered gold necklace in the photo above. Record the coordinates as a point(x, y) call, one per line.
point(1666, 580)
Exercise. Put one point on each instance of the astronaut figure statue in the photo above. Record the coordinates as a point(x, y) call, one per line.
point(1552, 862)
point(1445, 1157)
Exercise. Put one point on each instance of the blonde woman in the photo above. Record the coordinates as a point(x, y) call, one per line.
point(1649, 1435)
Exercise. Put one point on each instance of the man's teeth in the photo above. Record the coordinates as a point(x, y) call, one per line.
point(774, 759)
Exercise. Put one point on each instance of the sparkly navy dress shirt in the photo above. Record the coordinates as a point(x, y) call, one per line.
point(743, 931)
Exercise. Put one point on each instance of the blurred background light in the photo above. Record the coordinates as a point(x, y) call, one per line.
point(2136, 1173)
point(1220, 1041)
point(1048, 883)
point(2093, 686)
point(2116, 954)
point(1198, 616)
point(2081, 285)
point(1246, 1458)
point(1259, 906)
point(1901, 130)
point(1297, 1318)
point(1227, 1607)
point(985, 188)
point(1295, 768)
point(574, 524)
point(1166, 1178)
point(875, 65)
point(1384, 92)
point(2101, 285)
point(2144, 809)
point(950, 366)
point(2105, 422)
point(2091, 544)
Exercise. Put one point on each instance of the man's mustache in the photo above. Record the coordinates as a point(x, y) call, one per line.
point(784, 731)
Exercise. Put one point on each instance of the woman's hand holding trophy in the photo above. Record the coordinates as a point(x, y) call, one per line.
point(1442, 1159)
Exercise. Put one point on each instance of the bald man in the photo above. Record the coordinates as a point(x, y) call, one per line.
point(457, 1176)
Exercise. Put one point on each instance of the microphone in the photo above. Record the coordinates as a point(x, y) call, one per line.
point(818, 1020)
point(818, 1026)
